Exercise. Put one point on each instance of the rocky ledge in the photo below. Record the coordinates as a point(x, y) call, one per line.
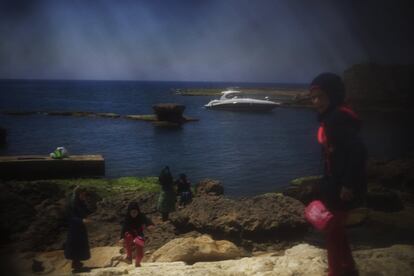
point(302, 259)
point(262, 230)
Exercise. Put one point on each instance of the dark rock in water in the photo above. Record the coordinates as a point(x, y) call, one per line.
point(269, 217)
point(209, 187)
point(169, 112)
point(108, 115)
point(60, 113)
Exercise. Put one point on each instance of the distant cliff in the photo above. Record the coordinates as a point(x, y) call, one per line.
point(373, 85)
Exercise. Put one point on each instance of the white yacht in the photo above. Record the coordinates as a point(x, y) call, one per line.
point(233, 100)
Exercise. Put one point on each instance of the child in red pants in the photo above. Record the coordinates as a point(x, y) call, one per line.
point(132, 233)
point(343, 153)
point(340, 260)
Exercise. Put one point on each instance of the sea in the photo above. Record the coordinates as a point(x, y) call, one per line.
point(249, 153)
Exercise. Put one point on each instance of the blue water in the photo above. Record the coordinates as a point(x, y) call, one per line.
point(250, 153)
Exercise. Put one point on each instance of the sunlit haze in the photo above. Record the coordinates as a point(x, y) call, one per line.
point(227, 40)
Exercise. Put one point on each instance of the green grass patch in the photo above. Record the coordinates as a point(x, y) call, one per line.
point(145, 117)
point(104, 187)
point(305, 180)
point(149, 184)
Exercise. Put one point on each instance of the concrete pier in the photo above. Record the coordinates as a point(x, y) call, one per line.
point(45, 167)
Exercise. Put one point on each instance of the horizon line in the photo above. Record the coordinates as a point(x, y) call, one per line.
point(131, 80)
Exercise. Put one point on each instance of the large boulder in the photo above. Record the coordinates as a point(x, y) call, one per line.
point(192, 250)
point(263, 218)
point(209, 187)
point(169, 112)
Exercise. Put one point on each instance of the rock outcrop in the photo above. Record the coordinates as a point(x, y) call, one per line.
point(268, 217)
point(303, 188)
point(302, 259)
point(378, 85)
point(209, 187)
point(390, 185)
point(200, 249)
point(169, 112)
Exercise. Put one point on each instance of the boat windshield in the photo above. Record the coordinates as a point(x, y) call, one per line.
point(231, 95)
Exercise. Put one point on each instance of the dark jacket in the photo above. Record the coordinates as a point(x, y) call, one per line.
point(134, 226)
point(183, 185)
point(166, 180)
point(344, 157)
point(77, 243)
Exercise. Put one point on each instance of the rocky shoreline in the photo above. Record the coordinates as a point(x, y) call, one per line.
point(265, 224)
point(137, 117)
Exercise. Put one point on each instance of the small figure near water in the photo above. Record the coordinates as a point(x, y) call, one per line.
point(132, 233)
point(184, 190)
point(77, 243)
point(167, 198)
point(343, 152)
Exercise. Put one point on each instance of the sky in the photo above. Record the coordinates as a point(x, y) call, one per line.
point(200, 40)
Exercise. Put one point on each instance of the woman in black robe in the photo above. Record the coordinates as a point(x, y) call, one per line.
point(77, 243)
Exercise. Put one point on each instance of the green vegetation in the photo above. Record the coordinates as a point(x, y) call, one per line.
point(104, 187)
point(305, 180)
point(149, 184)
point(147, 117)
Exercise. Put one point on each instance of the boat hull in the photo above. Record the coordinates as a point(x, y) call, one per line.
point(243, 107)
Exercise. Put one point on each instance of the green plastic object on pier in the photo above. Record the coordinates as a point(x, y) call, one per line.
point(59, 153)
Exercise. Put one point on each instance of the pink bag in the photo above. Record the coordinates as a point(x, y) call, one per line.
point(318, 215)
point(139, 241)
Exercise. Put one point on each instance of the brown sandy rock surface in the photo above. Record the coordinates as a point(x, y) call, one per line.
point(192, 250)
point(302, 259)
point(209, 187)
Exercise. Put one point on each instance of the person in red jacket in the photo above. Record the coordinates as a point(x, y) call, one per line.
point(343, 153)
point(132, 233)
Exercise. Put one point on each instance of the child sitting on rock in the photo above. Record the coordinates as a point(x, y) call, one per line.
point(132, 233)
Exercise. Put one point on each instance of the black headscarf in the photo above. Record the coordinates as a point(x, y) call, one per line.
point(133, 225)
point(332, 85)
point(132, 206)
